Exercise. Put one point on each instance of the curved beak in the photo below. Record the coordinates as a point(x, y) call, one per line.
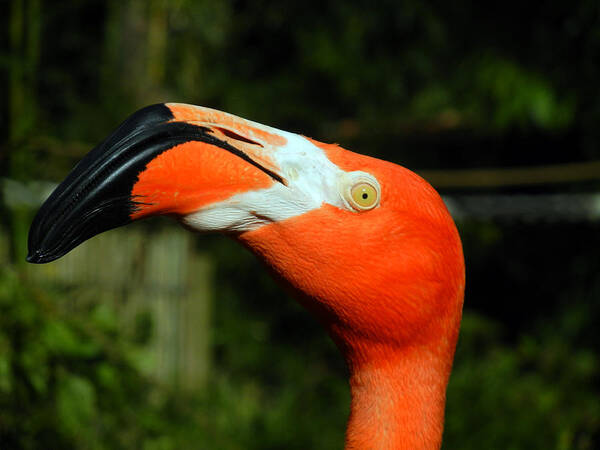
point(164, 159)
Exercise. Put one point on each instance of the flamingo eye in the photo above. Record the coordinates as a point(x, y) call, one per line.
point(364, 196)
point(361, 191)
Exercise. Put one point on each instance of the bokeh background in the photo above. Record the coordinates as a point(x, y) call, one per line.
point(153, 338)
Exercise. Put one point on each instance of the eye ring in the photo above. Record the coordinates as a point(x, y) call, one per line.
point(360, 191)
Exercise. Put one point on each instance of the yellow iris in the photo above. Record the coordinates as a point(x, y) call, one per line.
point(364, 196)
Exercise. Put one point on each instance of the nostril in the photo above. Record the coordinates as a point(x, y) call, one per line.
point(237, 137)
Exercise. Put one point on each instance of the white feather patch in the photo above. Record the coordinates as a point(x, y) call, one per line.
point(312, 180)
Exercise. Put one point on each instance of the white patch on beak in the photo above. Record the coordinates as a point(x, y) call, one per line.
point(312, 181)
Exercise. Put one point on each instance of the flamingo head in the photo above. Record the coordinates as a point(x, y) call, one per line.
point(367, 246)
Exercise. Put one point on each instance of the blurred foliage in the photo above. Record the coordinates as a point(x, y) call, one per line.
point(522, 396)
point(427, 84)
point(69, 379)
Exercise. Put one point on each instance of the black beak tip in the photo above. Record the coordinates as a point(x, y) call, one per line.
point(38, 257)
point(35, 243)
point(96, 195)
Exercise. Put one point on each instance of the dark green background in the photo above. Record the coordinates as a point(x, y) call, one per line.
point(429, 85)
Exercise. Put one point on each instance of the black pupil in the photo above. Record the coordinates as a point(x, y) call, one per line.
point(365, 196)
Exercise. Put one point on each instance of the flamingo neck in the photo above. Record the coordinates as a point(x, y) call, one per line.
point(398, 402)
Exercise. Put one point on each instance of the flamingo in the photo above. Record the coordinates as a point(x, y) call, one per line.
point(367, 246)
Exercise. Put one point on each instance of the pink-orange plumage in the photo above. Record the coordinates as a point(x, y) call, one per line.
point(385, 280)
